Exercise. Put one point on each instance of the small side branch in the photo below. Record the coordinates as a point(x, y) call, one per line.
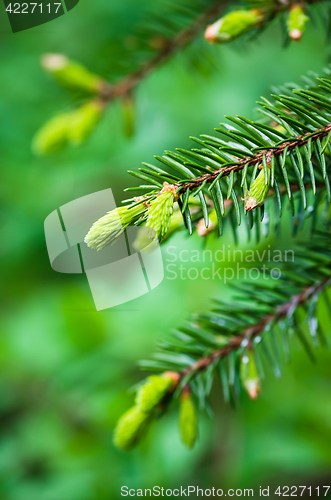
point(125, 86)
point(253, 331)
point(277, 151)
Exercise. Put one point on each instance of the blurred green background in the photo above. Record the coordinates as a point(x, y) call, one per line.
point(65, 368)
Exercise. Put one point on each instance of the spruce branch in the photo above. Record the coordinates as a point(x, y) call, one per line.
point(170, 47)
point(194, 16)
point(250, 333)
point(256, 16)
point(231, 339)
point(179, 27)
point(249, 161)
point(290, 147)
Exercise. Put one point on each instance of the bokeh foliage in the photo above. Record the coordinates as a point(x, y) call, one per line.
point(66, 368)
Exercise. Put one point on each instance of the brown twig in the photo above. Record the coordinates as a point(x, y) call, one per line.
point(290, 144)
point(253, 331)
point(171, 46)
point(127, 84)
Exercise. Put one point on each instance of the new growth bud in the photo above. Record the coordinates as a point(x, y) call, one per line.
point(153, 391)
point(258, 192)
point(52, 136)
point(71, 74)
point(132, 426)
point(160, 211)
point(249, 375)
point(233, 25)
point(72, 128)
point(296, 22)
point(143, 241)
point(106, 230)
point(83, 121)
point(188, 420)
